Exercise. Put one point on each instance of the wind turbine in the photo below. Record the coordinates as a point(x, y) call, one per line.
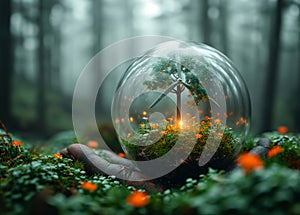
point(177, 87)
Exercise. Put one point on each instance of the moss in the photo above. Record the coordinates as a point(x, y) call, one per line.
point(273, 190)
point(139, 148)
point(290, 144)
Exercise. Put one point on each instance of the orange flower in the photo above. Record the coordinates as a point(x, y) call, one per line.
point(198, 136)
point(217, 121)
point(207, 117)
point(249, 162)
point(122, 155)
point(16, 143)
point(220, 135)
point(58, 156)
point(138, 199)
point(163, 132)
point(242, 120)
point(89, 186)
point(275, 150)
point(92, 144)
point(282, 129)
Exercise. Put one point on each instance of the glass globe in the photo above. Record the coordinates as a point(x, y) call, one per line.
point(182, 93)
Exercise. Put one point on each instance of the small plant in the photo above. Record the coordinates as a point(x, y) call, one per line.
point(11, 151)
point(290, 145)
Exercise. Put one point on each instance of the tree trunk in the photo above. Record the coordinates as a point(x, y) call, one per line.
point(297, 115)
point(41, 100)
point(56, 60)
point(97, 25)
point(49, 44)
point(272, 69)
point(178, 94)
point(223, 21)
point(5, 62)
point(205, 22)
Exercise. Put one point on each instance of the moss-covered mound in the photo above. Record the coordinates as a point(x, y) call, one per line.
point(194, 139)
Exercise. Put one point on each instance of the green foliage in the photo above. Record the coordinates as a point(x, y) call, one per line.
point(24, 172)
point(249, 144)
point(140, 146)
point(23, 181)
point(10, 155)
point(291, 148)
point(263, 192)
point(166, 69)
point(194, 140)
point(112, 201)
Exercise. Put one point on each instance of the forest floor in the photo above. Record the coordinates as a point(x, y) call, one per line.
point(36, 180)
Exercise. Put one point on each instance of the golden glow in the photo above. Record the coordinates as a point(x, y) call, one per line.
point(131, 119)
point(144, 113)
point(180, 123)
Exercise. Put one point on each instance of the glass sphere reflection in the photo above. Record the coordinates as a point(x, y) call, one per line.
point(182, 90)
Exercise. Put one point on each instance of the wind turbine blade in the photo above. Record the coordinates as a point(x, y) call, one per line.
point(214, 101)
point(167, 91)
point(189, 87)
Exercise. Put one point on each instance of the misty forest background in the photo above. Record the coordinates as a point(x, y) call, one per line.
point(45, 44)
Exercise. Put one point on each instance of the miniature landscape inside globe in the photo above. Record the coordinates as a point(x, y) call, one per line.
point(182, 91)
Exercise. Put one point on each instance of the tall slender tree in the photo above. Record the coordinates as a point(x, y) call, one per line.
point(97, 24)
point(41, 100)
point(273, 66)
point(5, 61)
point(297, 117)
point(224, 26)
point(56, 59)
point(206, 28)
